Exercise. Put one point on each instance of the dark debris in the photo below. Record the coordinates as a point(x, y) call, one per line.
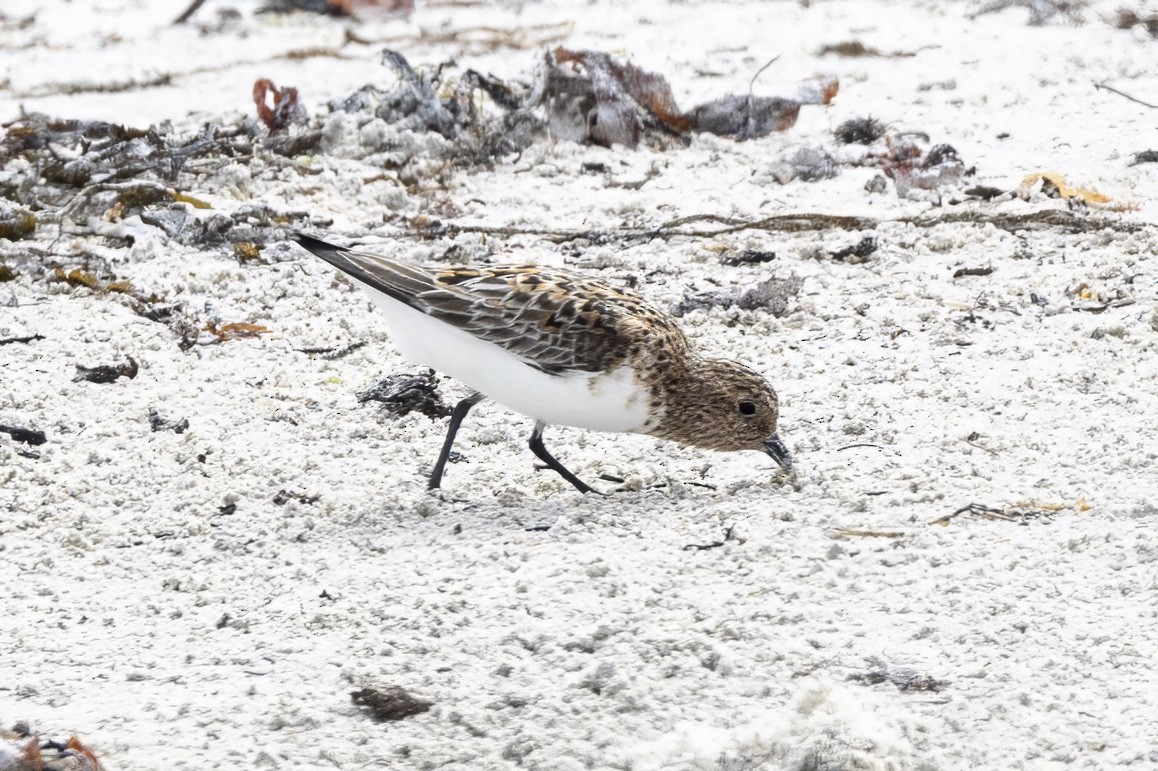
point(323, 7)
point(913, 169)
point(580, 96)
point(16, 222)
point(29, 436)
point(391, 703)
point(985, 192)
point(21, 339)
point(810, 164)
point(855, 49)
point(861, 131)
point(158, 423)
point(857, 253)
point(122, 171)
point(107, 373)
point(408, 392)
point(747, 257)
point(1040, 11)
point(26, 751)
point(282, 497)
point(1129, 18)
point(904, 678)
point(607, 102)
point(973, 271)
point(772, 295)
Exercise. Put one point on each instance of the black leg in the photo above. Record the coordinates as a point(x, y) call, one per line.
point(456, 417)
point(542, 454)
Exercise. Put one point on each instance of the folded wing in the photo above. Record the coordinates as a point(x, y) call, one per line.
point(552, 320)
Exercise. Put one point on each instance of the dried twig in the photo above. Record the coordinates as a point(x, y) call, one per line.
point(712, 545)
point(979, 447)
point(988, 512)
point(750, 128)
point(844, 532)
point(973, 508)
point(1111, 89)
point(188, 12)
point(331, 352)
point(25, 339)
point(793, 223)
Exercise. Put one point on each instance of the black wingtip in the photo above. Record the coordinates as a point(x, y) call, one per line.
point(338, 257)
point(318, 247)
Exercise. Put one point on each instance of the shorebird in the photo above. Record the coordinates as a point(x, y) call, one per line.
point(564, 349)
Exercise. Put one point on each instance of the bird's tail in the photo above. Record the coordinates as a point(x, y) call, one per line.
point(319, 248)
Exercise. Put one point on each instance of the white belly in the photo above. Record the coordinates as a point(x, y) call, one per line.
point(611, 402)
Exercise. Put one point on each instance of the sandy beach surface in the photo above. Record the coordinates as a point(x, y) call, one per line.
point(205, 557)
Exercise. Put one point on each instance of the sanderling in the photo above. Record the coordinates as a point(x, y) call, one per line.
point(564, 349)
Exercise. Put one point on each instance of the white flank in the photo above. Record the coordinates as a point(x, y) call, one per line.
point(613, 401)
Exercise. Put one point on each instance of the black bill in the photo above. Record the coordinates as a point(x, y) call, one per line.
point(779, 452)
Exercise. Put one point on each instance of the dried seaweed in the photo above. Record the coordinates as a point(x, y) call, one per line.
point(809, 164)
point(771, 295)
point(1020, 514)
point(913, 170)
point(917, 170)
point(580, 96)
point(857, 253)
point(1145, 156)
point(21, 750)
point(408, 392)
point(107, 373)
point(97, 157)
point(390, 703)
point(627, 99)
point(342, 8)
point(608, 102)
point(985, 192)
point(16, 222)
point(1054, 186)
point(282, 497)
point(416, 104)
point(77, 153)
point(286, 109)
point(1040, 11)
point(21, 339)
point(1128, 18)
point(861, 131)
point(904, 678)
point(747, 257)
point(159, 423)
point(235, 330)
point(973, 271)
point(1060, 220)
point(30, 436)
point(324, 7)
point(855, 49)
point(84, 278)
point(121, 171)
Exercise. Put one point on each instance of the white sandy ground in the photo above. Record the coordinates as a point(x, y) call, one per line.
point(167, 633)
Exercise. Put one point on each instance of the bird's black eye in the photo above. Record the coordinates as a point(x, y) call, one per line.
point(747, 408)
